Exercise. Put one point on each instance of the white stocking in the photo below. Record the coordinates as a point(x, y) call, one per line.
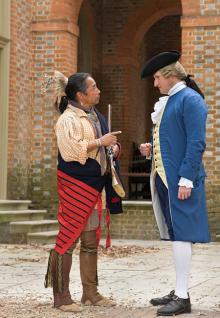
point(182, 254)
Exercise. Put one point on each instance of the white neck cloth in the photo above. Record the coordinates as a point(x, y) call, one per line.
point(160, 105)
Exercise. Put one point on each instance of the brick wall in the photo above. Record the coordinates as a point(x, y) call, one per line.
point(20, 100)
point(210, 7)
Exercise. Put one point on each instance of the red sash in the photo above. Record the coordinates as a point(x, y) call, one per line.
point(76, 203)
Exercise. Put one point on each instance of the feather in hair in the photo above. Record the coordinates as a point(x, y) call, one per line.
point(58, 81)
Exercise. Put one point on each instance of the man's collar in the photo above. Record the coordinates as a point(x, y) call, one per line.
point(176, 88)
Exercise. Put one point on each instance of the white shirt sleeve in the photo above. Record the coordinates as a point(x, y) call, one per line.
point(185, 183)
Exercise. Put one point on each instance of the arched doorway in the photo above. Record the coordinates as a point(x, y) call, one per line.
point(85, 52)
point(89, 57)
point(164, 35)
point(148, 29)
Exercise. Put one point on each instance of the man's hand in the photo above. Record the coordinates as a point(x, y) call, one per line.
point(184, 193)
point(145, 149)
point(109, 139)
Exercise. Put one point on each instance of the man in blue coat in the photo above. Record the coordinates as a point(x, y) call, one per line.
point(178, 175)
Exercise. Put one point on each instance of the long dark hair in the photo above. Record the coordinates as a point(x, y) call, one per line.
point(76, 83)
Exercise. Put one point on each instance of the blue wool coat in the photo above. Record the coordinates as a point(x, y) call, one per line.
point(182, 144)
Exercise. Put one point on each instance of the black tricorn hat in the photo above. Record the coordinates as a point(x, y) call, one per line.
point(158, 61)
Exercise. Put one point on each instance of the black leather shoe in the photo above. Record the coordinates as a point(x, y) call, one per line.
point(162, 300)
point(175, 307)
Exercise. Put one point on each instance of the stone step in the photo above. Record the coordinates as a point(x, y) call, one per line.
point(42, 238)
point(21, 215)
point(25, 227)
point(145, 203)
point(6, 205)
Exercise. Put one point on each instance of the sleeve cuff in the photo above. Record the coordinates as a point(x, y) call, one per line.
point(183, 182)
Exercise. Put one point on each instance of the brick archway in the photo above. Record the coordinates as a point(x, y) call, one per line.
point(68, 10)
point(140, 23)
